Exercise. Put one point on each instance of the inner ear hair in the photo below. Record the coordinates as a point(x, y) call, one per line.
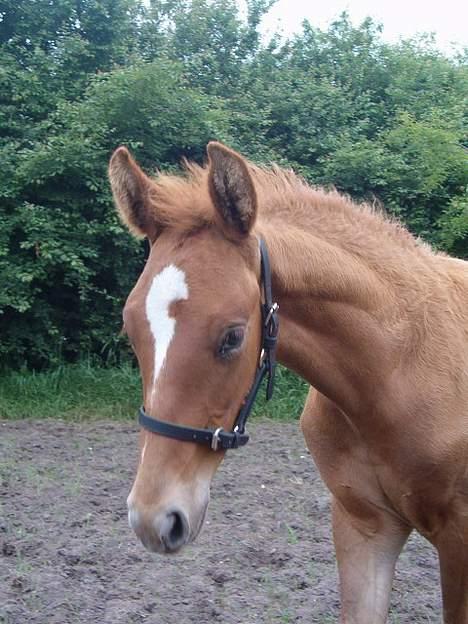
point(231, 189)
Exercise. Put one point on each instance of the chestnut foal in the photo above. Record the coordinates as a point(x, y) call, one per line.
point(373, 319)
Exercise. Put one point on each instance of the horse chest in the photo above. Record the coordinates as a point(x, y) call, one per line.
point(365, 476)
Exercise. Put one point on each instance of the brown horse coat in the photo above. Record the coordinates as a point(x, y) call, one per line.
point(372, 318)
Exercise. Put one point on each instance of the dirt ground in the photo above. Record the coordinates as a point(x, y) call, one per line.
point(264, 556)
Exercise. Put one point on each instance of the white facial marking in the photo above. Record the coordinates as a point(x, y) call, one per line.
point(168, 287)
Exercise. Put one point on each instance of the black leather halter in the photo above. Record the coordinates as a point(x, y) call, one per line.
point(219, 439)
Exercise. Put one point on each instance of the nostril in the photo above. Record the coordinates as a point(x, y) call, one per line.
point(174, 530)
point(177, 530)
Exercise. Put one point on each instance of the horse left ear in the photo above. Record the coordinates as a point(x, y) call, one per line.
point(232, 190)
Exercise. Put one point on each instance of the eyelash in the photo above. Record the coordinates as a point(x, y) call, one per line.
point(226, 350)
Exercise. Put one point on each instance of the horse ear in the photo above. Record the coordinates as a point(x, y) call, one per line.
point(131, 189)
point(232, 190)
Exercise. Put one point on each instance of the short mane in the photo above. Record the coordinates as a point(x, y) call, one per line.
point(182, 201)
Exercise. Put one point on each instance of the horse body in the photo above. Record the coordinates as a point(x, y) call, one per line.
point(374, 320)
point(388, 426)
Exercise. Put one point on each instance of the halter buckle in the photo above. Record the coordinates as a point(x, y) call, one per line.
point(273, 310)
point(215, 440)
point(262, 357)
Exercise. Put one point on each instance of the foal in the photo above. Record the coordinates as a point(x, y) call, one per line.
point(372, 318)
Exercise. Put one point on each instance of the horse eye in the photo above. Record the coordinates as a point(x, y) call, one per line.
point(231, 341)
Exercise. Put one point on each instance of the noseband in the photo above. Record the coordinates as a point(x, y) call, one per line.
point(218, 439)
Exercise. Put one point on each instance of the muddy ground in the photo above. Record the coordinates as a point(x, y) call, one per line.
point(264, 556)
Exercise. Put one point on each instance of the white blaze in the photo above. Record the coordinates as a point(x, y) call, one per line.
point(167, 287)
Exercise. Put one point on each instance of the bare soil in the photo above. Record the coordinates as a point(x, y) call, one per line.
point(265, 555)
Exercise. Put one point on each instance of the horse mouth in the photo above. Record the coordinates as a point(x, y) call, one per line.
point(159, 547)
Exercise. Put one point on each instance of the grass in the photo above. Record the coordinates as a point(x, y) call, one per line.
point(72, 392)
point(292, 535)
point(86, 392)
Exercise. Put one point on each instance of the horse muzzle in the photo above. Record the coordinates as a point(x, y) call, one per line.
point(168, 530)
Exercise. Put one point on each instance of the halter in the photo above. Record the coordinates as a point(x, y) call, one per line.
point(218, 439)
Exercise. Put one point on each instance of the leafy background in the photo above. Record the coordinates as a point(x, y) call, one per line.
point(382, 122)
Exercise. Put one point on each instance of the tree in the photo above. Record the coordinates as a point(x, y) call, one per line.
point(79, 77)
point(62, 246)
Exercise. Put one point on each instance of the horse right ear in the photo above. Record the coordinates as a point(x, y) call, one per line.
point(131, 189)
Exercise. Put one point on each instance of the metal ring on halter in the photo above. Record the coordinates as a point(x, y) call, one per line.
point(261, 358)
point(215, 440)
point(274, 308)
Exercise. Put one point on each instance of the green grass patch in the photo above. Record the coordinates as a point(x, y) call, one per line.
point(86, 392)
point(72, 392)
point(288, 397)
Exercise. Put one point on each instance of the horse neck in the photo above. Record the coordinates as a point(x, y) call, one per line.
point(338, 315)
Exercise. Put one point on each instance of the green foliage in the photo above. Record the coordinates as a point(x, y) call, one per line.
point(377, 121)
point(65, 260)
point(453, 224)
point(414, 168)
point(208, 37)
point(79, 77)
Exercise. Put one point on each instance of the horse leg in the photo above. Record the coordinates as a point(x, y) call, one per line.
point(452, 547)
point(368, 534)
point(366, 564)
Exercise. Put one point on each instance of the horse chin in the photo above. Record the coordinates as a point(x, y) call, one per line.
point(160, 548)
